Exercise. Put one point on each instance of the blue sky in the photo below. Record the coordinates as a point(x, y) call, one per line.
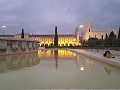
point(41, 16)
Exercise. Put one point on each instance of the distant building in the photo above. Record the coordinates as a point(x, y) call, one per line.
point(26, 36)
point(90, 32)
point(63, 39)
point(7, 36)
point(48, 40)
point(67, 39)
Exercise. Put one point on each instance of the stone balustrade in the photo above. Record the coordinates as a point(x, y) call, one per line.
point(17, 46)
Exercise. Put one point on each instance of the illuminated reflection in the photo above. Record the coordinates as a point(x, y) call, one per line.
point(82, 63)
point(81, 67)
point(56, 55)
point(15, 62)
point(62, 54)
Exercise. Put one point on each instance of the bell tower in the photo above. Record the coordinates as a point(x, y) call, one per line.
point(77, 34)
point(88, 26)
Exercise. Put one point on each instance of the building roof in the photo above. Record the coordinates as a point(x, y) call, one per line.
point(7, 35)
point(42, 35)
point(52, 35)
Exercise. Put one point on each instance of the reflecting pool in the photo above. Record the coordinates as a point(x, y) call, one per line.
point(56, 69)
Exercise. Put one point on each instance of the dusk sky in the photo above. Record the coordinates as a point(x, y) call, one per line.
point(41, 16)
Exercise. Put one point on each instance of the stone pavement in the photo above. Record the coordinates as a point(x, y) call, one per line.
point(98, 55)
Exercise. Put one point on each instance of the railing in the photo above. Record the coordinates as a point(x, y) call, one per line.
point(17, 46)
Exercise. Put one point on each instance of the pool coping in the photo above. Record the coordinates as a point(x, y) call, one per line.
point(109, 61)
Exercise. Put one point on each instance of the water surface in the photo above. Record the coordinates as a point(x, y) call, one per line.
point(56, 69)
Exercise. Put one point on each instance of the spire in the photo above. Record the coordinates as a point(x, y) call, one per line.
point(88, 26)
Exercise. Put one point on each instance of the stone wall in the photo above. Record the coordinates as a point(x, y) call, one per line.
point(17, 46)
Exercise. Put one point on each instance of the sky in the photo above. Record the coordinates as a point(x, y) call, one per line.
point(41, 16)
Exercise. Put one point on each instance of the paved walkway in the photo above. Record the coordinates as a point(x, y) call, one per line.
point(98, 55)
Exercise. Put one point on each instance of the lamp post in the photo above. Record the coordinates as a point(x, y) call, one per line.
point(3, 26)
point(81, 26)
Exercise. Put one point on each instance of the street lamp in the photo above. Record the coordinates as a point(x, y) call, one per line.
point(81, 26)
point(3, 26)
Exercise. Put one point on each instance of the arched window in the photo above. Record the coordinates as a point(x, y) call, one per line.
point(89, 30)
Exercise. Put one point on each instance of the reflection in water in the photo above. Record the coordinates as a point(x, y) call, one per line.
point(107, 70)
point(14, 62)
point(56, 58)
point(62, 54)
point(49, 55)
point(57, 69)
point(83, 64)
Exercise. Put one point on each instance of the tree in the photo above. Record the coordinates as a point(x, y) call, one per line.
point(112, 35)
point(101, 42)
point(119, 33)
point(106, 37)
point(84, 43)
point(118, 39)
point(56, 37)
point(106, 41)
point(112, 39)
point(93, 42)
point(22, 34)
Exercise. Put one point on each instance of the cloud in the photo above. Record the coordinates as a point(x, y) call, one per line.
point(40, 16)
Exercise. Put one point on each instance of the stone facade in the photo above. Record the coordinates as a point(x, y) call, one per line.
point(48, 39)
point(90, 32)
point(63, 39)
point(26, 36)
